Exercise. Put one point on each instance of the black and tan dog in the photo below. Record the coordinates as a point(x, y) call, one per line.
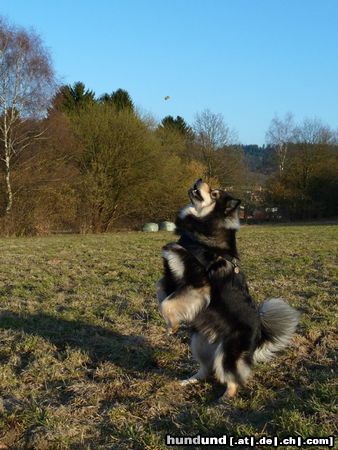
point(204, 286)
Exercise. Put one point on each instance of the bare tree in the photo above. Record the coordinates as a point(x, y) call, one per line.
point(314, 131)
point(26, 87)
point(309, 183)
point(280, 134)
point(212, 134)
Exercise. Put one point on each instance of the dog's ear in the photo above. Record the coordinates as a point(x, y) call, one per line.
point(215, 194)
point(232, 205)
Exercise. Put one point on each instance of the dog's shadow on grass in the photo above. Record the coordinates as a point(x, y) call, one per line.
point(130, 352)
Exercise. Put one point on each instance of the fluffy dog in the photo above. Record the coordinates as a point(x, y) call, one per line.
point(204, 286)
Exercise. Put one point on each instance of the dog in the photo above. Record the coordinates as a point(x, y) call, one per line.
point(204, 286)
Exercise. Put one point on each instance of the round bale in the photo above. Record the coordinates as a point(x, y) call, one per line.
point(150, 227)
point(167, 226)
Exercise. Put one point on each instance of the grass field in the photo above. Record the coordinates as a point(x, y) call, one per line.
point(86, 362)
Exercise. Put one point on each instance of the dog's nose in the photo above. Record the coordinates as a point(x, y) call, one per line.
point(197, 184)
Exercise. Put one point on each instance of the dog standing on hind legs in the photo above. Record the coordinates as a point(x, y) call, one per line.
point(203, 286)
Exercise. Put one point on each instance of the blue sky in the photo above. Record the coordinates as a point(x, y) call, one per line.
point(246, 59)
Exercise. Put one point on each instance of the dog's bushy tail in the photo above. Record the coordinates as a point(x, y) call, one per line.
point(279, 322)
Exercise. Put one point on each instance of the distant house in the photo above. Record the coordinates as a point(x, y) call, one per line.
point(259, 214)
point(265, 215)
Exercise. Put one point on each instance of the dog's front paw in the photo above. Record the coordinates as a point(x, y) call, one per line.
point(219, 268)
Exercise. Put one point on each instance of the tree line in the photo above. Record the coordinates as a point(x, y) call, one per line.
point(74, 161)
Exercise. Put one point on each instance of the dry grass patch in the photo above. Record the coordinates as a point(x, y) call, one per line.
point(86, 364)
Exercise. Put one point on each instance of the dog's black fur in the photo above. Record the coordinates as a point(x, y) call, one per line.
point(204, 286)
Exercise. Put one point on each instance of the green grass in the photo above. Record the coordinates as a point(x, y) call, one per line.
point(86, 362)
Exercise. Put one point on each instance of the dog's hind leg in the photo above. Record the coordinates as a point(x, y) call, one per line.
point(231, 368)
point(224, 375)
point(201, 375)
point(203, 352)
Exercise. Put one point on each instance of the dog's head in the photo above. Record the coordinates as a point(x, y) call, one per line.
point(201, 195)
point(216, 203)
